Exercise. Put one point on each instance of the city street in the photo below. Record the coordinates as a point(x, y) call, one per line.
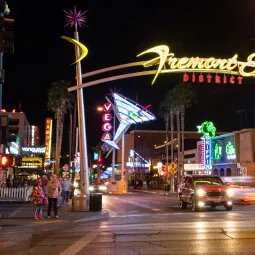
point(137, 223)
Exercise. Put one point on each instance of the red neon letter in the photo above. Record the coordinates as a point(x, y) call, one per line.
point(225, 79)
point(107, 107)
point(240, 79)
point(209, 78)
point(107, 127)
point(232, 80)
point(201, 78)
point(217, 79)
point(193, 77)
point(107, 117)
point(185, 77)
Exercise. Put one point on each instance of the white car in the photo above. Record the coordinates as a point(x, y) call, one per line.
point(98, 188)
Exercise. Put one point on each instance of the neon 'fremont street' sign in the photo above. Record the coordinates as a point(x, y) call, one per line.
point(168, 63)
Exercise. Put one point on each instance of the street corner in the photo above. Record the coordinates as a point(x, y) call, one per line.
point(90, 216)
point(48, 221)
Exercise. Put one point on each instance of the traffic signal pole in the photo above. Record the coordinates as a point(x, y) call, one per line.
point(1, 85)
point(1, 52)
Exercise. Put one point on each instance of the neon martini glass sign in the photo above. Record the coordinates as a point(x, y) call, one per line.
point(128, 112)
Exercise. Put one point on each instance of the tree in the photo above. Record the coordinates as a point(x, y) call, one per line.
point(175, 102)
point(184, 97)
point(166, 110)
point(59, 102)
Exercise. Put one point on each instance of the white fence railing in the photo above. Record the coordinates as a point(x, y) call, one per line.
point(16, 194)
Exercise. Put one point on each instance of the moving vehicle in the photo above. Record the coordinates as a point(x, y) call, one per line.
point(98, 188)
point(243, 188)
point(204, 190)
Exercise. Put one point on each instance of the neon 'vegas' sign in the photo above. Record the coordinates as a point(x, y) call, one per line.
point(168, 63)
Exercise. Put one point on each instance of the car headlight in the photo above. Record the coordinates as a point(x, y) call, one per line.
point(102, 188)
point(91, 188)
point(230, 192)
point(75, 184)
point(201, 192)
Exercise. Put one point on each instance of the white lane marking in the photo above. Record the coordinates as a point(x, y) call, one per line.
point(198, 225)
point(111, 213)
point(97, 217)
point(134, 203)
point(79, 245)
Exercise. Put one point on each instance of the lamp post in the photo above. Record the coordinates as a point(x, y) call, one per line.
point(74, 19)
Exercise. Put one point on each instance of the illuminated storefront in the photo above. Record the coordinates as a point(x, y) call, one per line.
point(224, 155)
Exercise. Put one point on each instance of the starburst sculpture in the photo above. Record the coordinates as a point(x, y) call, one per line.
point(75, 18)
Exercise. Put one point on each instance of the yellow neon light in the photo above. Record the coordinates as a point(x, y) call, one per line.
point(197, 64)
point(163, 51)
point(83, 48)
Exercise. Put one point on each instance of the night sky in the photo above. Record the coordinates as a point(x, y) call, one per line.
point(117, 31)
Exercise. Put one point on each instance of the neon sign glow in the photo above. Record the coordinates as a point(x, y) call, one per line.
point(128, 112)
point(167, 59)
point(217, 151)
point(208, 131)
point(230, 151)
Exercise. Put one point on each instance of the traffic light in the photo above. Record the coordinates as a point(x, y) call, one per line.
point(100, 160)
point(6, 160)
point(12, 129)
point(6, 29)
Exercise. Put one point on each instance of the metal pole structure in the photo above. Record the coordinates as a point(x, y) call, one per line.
point(123, 157)
point(84, 170)
point(113, 152)
point(1, 78)
point(167, 145)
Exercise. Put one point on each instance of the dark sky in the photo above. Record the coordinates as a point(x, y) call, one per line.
point(117, 31)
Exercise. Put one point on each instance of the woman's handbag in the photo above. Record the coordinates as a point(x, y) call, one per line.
point(45, 201)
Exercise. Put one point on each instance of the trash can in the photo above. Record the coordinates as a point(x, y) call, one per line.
point(166, 187)
point(95, 202)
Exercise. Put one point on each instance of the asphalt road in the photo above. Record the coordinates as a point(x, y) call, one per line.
point(139, 223)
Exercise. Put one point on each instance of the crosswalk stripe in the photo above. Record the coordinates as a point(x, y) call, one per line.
point(79, 245)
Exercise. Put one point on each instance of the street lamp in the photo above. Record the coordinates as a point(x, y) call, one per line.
point(74, 19)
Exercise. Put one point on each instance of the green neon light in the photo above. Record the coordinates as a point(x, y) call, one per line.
point(207, 129)
point(217, 151)
point(230, 151)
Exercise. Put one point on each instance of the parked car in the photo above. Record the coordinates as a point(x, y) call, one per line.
point(204, 190)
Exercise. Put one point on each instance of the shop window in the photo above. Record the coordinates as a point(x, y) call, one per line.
point(215, 171)
point(228, 172)
point(222, 172)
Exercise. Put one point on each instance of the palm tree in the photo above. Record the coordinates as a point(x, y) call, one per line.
point(59, 102)
point(166, 111)
point(184, 97)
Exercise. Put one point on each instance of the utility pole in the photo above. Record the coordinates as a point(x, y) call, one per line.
point(6, 41)
point(241, 117)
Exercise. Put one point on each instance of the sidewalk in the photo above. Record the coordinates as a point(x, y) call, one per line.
point(24, 211)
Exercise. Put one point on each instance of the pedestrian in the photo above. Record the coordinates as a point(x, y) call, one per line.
point(66, 188)
point(145, 187)
point(8, 182)
point(53, 191)
point(38, 198)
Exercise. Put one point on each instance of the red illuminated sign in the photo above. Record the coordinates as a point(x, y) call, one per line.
point(107, 126)
point(208, 78)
